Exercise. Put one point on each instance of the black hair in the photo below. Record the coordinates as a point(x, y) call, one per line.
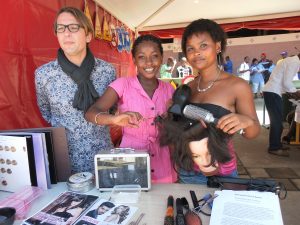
point(107, 204)
point(205, 25)
point(253, 60)
point(82, 201)
point(144, 38)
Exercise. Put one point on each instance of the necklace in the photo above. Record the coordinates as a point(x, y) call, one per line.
point(210, 85)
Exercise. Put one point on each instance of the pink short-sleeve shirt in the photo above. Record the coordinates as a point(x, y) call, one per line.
point(132, 97)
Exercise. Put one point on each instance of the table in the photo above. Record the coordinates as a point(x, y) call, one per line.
point(297, 140)
point(297, 136)
point(153, 203)
point(297, 120)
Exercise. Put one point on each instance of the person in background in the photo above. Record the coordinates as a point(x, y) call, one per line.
point(244, 69)
point(228, 98)
point(283, 54)
point(103, 208)
point(167, 69)
point(184, 69)
point(266, 64)
point(272, 66)
point(257, 79)
point(67, 86)
point(228, 65)
point(281, 81)
point(140, 100)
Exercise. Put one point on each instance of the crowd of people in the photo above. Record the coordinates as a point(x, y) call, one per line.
point(77, 91)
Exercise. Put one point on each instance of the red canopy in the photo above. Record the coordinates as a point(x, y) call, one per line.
point(289, 23)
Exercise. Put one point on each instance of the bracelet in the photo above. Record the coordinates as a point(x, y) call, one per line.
point(96, 116)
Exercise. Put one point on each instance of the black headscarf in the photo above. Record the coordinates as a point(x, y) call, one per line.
point(86, 94)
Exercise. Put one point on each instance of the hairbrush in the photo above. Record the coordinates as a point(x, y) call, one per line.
point(169, 217)
point(196, 113)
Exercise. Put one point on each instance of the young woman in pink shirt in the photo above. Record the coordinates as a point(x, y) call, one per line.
point(140, 100)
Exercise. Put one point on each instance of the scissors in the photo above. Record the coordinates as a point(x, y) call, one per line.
point(206, 201)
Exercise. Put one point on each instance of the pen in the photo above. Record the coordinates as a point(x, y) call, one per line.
point(169, 217)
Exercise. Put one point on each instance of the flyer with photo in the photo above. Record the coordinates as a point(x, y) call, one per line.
point(104, 212)
point(81, 209)
point(64, 210)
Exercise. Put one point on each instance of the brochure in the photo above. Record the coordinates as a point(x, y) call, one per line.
point(246, 207)
point(105, 213)
point(81, 209)
point(64, 210)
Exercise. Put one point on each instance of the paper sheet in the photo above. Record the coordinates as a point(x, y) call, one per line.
point(246, 208)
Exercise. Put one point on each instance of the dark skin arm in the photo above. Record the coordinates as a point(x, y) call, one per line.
point(245, 116)
point(98, 112)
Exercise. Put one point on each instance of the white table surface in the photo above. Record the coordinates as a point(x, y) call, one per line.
point(153, 203)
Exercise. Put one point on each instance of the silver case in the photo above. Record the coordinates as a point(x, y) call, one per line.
point(117, 161)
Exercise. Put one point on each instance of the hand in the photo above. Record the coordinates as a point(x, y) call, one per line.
point(233, 122)
point(128, 119)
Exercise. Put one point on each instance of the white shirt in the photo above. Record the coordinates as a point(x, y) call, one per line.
point(246, 75)
point(184, 71)
point(281, 79)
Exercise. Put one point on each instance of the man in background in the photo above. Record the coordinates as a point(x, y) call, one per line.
point(184, 69)
point(228, 65)
point(244, 69)
point(266, 64)
point(281, 81)
point(283, 54)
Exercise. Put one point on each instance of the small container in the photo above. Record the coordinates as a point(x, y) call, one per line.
point(125, 193)
point(81, 182)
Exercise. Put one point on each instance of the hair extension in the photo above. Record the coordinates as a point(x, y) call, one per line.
point(178, 134)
